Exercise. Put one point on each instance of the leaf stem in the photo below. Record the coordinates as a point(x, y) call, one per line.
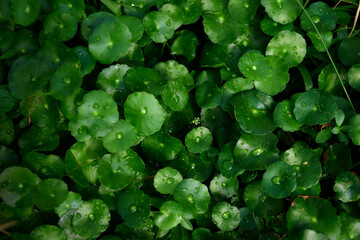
point(328, 53)
point(355, 20)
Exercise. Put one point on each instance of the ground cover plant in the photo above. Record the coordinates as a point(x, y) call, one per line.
point(179, 119)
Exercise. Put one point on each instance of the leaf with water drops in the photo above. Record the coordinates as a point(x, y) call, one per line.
point(134, 207)
point(7, 133)
point(226, 163)
point(314, 107)
point(288, 45)
point(86, 59)
point(45, 166)
point(315, 39)
point(135, 26)
point(279, 180)
point(198, 139)
point(175, 95)
point(48, 232)
point(282, 11)
point(270, 27)
point(347, 187)
point(169, 215)
point(175, 13)
point(247, 222)
point(253, 111)
point(243, 10)
point(79, 161)
point(192, 10)
point(323, 16)
point(91, 218)
point(49, 193)
point(74, 7)
point(314, 213)
point(122, 136)
point(185, 44)
point(208, 95)
point(225, 216)
point(96, 115)
point(66, 80)
point(220, 27)
point(261, 204)
point(232, 87)
point(7, 100)
point(60, 26)
point(25, 12)
point(284, 117)
point(254, 152)
point(254, 65)
point(94, 20)
point(159, 26)
point(223, 187)
point(144, 111)
point(39, 139)
point(72, 202)
point(16, 183)
point(328, 79)
point(193, 196)
point(166, 180)
point(140, 78)
point(350, 226)
point(305, 164)
point(110, 41)
point(354, 129)
point(354, 77)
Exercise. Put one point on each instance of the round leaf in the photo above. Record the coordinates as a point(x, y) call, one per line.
point(174, 12)
point(198, 140)
point(122, 136)
point(270, 27)
point(349, 51)
point(46, 166)
point(208, 95)
point(354, 77)
point(322, 16)
point(223, 187)
point(144, 112)
point(144, 79)
point(73, 7)
point(225, 216)
point(86, 60)
point(60, 26)
point(282, 11)
point(159, 26)
point(284, 117)
point(192, 10)
point(48, 232)
point(347, 187)
point(243, 10)
point(72, 202)
point(166, 180)
point(175, 95)
point(94, 20)
point(169, 215)
point(25, 12)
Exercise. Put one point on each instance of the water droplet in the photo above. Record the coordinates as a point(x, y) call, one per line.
point(170, 180)
point(91, 216)
point(168, 23)
point(227, 165)
point(21, 186)
point(78, 215)
point(196, 189)
point(246, 5)
point(96, 106)
point(294, 48)
point(244, 43)
point(295, 53)
point(97, 207)
point(132, 208)
point(221, 20)
point(282, 35)
point(296, 168)
point(44, 170)
point(245, 151)
point(262, 199)
point(257, 152)
point(66, 80)
point(4, 184)
point(320, 9)
point(223, 184)
point(119, 135)
point(197, 139)
point(98, 39)
point(144, 110)
point(303, 104)
point(301, 217)
point(8, 131)
point(254, 68)
point(176, 98)
point(218, 38)
point(279, 4)
point(226, 215)
point(276, 180)
point(184, 189)
point(316, 19)
point(190, 198)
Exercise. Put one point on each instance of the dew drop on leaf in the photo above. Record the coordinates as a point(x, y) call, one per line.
point(91, 216)
point(119, 135)
point(78, 215)
point(170, 180)
point(226, 215)
point(262, 199)
point(190, 198)
point(276, 180)
point(132, 208)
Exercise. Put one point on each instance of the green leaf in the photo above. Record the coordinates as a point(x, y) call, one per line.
point(169, 215)
point(315, 39)
point(192, 10)
point(323, 135)
point(347, 187)
point(91, 218)
point(354, 77)
point(72, 202)
point(322, 16)
point(110, 41)
point(5, 12)
point(159, 26)
point(284, 117)
point(7, 133)
point(39, 139)
point(122, 136)
point(134, 207)
point(48, 232)
point(73, 7)
point(185, 44)
point(144, 112)
point(94, 20)
point(252, 111)
point(193, 196)
point(253, 152)
point(270, 27)
point(8, 157)
point(175, 13)
point(66, 80)
point(86, 60)
point(7, 100)
point(175, 95)
point(198, 139)
point(226, 162)
point(60, 26)
point(348, 51)
point(259, 203)
point(354, 129)
point(223, 187)
point(314, 213)
point(305, 164)
point(166, 180)
point(114, 7)
point(25, 12)
point(45, 166)
point(329, 81)
point(279, 180)
point(314, 107)
point(288, 45)
point(244, 10)
point(49, 193)
point(135, 26)
point(225, 216)
point(338, 159)
point(144, 79)
point(282, 11)
point(16, 183)
point(247, 219)
point(208, 95)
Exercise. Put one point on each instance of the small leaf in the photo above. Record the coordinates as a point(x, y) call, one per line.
point(225, 216)
point(347, 187)
point(323, 135)
point(166, 180)
point(198, 139)
point(169, 215)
